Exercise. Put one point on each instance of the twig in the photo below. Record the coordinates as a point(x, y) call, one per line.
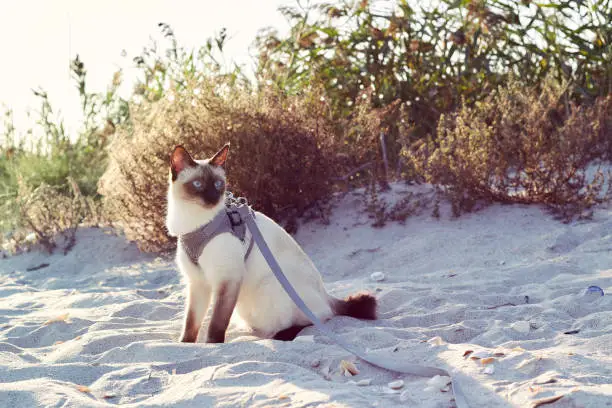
point(384, 184)
point(357, 251)
point(505, 304)
point(350, 173)
point(37, 267)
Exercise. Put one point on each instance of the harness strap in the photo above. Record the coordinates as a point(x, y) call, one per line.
point(194, 242)
point(380, 361)
point(227, 220)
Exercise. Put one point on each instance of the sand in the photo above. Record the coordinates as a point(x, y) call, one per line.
point(99, 326)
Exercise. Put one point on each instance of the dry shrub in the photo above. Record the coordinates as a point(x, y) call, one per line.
point(520, 146)
point(381, 210)
point(51, 215)
point(282, 155)
point(363, 151)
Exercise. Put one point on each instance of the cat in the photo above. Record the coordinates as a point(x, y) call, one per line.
point(223, 277)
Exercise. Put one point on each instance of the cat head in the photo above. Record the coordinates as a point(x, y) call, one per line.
point(198, 181)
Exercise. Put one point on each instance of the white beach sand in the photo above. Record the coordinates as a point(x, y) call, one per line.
point(507, 279)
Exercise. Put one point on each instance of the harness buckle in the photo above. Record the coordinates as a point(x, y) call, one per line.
point(235, 218)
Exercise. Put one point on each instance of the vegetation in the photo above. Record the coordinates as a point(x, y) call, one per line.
point(520, 146)
point(282, 153)
point(489, 100)
point(48, 179)
point(436, 56)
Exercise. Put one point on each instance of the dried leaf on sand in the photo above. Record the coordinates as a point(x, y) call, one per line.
point(60, 318)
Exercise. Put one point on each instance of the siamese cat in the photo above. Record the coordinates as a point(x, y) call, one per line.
point(222, 277)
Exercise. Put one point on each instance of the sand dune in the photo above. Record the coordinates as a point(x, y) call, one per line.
point(99, 326)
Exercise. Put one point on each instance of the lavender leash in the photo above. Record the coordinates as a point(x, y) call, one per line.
point(379, 361)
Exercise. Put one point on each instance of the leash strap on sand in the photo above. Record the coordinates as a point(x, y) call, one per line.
point(380, 361)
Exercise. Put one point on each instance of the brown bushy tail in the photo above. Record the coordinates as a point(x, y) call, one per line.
point(361, 305)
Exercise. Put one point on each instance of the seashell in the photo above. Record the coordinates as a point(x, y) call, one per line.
point(467, 353)
point(436, 341)
point(315, 363)
point(365, 382)
point(438, 382)
point(377, 276)
point(489, 370)
point(348, 368)
point(479, 354)
point(396, 385)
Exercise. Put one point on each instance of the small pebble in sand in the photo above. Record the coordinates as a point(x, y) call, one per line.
point(315, 363)
point(365, 382)
point(377, 276)
point(489, 370)
point(522, 326)
point(396, 385)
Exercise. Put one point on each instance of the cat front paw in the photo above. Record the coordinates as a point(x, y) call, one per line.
point(216, 339)
point(188, 338)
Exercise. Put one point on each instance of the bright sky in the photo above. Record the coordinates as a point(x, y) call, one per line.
point(39, 37)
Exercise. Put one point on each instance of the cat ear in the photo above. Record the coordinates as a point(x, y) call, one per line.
point(221, 156)
point(180, 160)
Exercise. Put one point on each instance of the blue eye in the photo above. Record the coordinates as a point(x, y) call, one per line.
point(197, 184)
point(219, 184)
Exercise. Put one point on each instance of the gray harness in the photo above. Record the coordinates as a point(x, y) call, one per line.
point(229, 220)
